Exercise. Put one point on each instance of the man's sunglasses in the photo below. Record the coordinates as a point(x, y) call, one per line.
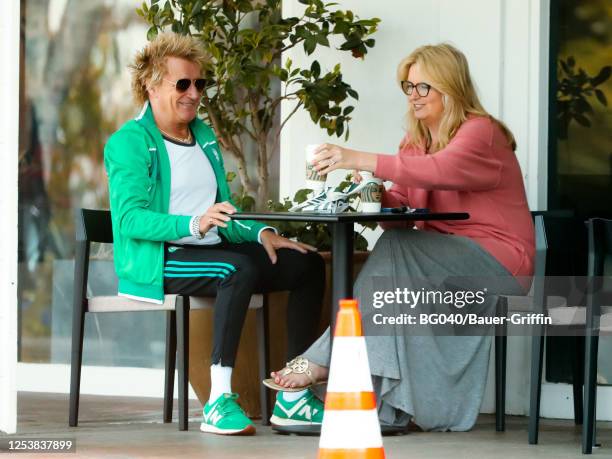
point(183, 84)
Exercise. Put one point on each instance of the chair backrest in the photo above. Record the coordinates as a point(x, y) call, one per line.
point(600, 245)
point(90, 226)
point(560, 243)
point(600, 255)
point(94, 226)
point(543, 221)
point(564, 237)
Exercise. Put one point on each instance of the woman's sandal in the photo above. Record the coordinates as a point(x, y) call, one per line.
point(299, 365)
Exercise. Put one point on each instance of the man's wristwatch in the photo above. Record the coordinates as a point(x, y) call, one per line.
point(195, 227)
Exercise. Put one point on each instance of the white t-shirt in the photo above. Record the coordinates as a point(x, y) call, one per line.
point(193, 186)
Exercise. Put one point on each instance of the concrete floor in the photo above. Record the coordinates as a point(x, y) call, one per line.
point(112, 427)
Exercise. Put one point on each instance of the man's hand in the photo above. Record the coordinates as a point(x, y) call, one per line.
point(272, 241)
point(216, 216)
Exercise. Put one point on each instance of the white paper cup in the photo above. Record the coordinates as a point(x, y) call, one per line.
point(314, 180)
point(370, 207)
point(371, 195)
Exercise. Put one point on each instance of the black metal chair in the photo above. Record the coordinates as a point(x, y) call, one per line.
point(544, 235)
point(96, 226)
point(598, 321)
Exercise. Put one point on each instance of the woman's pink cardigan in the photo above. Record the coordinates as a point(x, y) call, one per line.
point(477, 172)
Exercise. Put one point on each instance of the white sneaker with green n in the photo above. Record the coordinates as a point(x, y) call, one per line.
point(303, 415)
point(225, 417)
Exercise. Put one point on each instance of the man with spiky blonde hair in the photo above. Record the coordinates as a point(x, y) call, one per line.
point(170, 206)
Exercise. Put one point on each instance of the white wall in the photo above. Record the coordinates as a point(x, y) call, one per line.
point(506, 43)
point(9, 127)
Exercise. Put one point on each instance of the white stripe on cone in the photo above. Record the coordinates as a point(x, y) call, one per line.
point(352, 429)
point(349, 368)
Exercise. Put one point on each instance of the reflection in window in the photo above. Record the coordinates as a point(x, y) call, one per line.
point(581, 122)
point(75, 92)
point(580, 154)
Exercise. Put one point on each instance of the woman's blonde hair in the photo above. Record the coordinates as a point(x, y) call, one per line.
point(149, 65)
point(447, 70)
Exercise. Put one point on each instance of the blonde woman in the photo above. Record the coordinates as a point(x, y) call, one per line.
point(455, 157)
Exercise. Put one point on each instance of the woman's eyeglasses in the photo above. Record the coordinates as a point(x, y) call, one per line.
point(422, 89)
point(183, 84)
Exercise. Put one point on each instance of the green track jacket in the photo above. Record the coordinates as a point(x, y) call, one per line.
point(138, 171)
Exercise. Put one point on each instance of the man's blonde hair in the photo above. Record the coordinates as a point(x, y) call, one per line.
point(447, 71)
point(149, 65)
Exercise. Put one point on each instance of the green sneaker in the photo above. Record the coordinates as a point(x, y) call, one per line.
point(303, 416)
point(225, 417)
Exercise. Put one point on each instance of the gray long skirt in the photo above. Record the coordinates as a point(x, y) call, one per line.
point(438, 381)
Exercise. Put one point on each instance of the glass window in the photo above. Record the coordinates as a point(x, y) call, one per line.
point(580, 144)
point(580, 156)
point(75, 93)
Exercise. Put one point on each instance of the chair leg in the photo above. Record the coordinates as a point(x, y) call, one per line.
point(578, 380)
point(501, 344)
point(590, 392)
point(537, 355)
point(76, 360)
point(182, 342)
point(170, 365)
point(264, 361)
point(500, 383)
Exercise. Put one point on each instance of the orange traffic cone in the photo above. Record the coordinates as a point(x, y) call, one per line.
point(350, 424)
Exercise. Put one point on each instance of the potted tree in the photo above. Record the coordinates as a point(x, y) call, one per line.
point(247, 80)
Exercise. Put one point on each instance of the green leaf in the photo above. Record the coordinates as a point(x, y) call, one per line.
point(302, 195)
point(340, 129)
point(315, 69)
point(601, 97)
point(564, 66)
point(353, 93)
point(230, 176)
point(582, 120)
point(309, 45)
point(151, 33)
point(322, 39)
point(602, 76)
point(582, 106)
point(361, 243)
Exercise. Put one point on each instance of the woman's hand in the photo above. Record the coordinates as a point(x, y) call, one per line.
point(357, 178)
point(216, 215)
point(272, 241)
point(329, 157)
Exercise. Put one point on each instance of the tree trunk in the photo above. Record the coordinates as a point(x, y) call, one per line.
point(262, 172)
